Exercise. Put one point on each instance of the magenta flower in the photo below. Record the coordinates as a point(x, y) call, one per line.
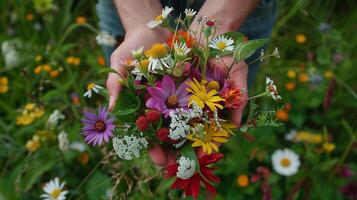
point(165, 97)
point(97, 128)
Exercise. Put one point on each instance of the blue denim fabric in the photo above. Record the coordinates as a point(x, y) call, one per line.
point(258, 24)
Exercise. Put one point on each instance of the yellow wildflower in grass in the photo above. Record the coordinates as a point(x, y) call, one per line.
point(306, 136)
point(54, 73)
point(202, 97)
point(291, 73)
point(30, 106)
point(47, 67)
point(38, 69)
point(4, 84)
point(208, 138)
point(300, 38)
point(73, 60)
point(328, 74)
point(38, 58)
point(157, 51)
point(32, 145)
point(24, 120)
point(30, 112)
point(81, 20)
point(242, 180)
point(303, 77)
point(328, 147)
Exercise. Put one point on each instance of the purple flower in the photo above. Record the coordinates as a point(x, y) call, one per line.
point(165, 97)
point(350, 190)
point(97, 128)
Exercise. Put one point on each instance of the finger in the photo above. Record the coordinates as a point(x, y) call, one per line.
point(113, 88)
point(157, 155)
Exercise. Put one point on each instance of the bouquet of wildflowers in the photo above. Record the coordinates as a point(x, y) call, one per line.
point(171, 100)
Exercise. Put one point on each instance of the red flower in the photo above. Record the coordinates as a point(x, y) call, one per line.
point(142, 123)
point(210, 23)
point(192, 185)
point(163, 134)
point(153, 116)
point(233, 97)
point(181, 35)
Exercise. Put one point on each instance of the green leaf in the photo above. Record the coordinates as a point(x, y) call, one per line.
point(236, 36)
point(107, 71)
point(97, 186)
point(244, 50)
point(127, 103)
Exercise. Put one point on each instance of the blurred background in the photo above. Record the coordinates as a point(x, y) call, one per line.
point(50, 57)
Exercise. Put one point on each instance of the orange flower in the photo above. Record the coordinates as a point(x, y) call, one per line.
point(290, 86)
point(282, 115)
point(101, 60)
point(81, 20)
point(300, 38)
point(287, 107)
point(29, 17)
point(181, 35)
point(233, 97)
point(242, 180)
point(83, 158)
point(54, 73)
point(303, 77)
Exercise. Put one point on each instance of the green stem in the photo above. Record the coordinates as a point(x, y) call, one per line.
point(257, 96)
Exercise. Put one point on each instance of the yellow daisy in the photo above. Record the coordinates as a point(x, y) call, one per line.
point(201, 97)
point(208, 138)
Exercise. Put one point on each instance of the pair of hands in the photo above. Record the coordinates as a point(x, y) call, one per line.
point(143, 36)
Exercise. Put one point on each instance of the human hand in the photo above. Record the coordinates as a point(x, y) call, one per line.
point(135, 38)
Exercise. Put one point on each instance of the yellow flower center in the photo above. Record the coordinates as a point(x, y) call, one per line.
point(159, 18)
point(221, 45)
point(55, 193)
point(90, 86)
point(172, 101)
point(157, 51)
point(285, 162)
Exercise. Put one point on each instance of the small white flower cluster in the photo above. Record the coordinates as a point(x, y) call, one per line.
point(11, 55)
point(63, 141)
point(54, 118)
point(186, 168)
point(129, 147)
point(105, 39)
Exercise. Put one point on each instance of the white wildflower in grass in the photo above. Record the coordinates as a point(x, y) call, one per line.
point(129, 147)
point(63, 141)
point(54, 190)
point(78, 146)
point(276, 53)
point(7, 46)
point(186, 168)
point(137, 53)
point(291, 135)
point(261, 57)
point(105, 39)
point(285, 162)
point(91, 87)
point(272, 89)
point(181, 49)
point(54, 118)
point(189, 12)
point(222, 43)
point(12, 59)
point(160, 18)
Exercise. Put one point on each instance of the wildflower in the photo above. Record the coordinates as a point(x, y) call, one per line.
point(210, 22)
point(29, 17)
point(285, 162)
point(101, 60)
point(153, 116)
point(328, 147)
point(38, 58)
point(300, 38)
point(233, 97)
point(54, 118)
point(137, 53)
point(78, 146)
point(75, 99)
point(213, 85)
point(54, 73)
point(83, 158)
point(160, 18)
point(63, 141)
point(276, 53)
point(201, 97)
point(12, 59)
point(272, 89)
point(222, 43)
point(181, 50)
point(324, 27)
point(167, 98)
point(180, 36)
point(142, 123)
point(282, 115)
point(303, 77)
point(179, 127)
point(192, 185)
point(81, 20)
point(97, 128)
point(328, 74)
point(186, 168)
point(91, 87)
point(158, 57)
point(350, 190)
point(290, 86)
point(4, 84)
point(129, 146)
point(33, 144)
point(242, 180)
point(43, 6)
point(105, 39)
point(344, 171)
point(291, 135)
point(30, 112)
point(54, 190)
point(163, 135)
point(291, 73)
point(190, 12)
point(207, 137)
point(306, 136)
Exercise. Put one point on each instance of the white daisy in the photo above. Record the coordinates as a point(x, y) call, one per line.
point(285, 162)
point(190, 12)
point(160, 18)
point(186, 168)
point(138, 73)
point(160, 63)
point(91, 87)
point(137, 53)
point(222, 43)
point(54, 118)
point(63, 141)
point(181, 49)
point(54, 190)
point(272, 89)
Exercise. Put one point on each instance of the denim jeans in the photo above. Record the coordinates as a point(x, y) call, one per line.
point(257, 25)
